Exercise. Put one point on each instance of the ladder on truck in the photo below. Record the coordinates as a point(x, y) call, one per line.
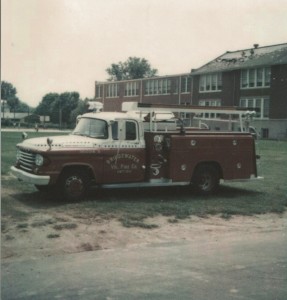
point(154, 113)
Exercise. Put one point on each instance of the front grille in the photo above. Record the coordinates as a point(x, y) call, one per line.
point(26, 160)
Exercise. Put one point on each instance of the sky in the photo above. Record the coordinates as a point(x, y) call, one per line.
point(66, 45)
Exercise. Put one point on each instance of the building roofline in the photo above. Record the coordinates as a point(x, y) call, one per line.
point(146, 78)
point(253, 48)
point(195, 72)
point(199, 70)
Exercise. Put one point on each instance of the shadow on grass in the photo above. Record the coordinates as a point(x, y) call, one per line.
point(133, 207)
point(235, 192)
point(167, 194)
point(39, 200)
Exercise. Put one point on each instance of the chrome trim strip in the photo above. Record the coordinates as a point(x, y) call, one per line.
point(151, 183)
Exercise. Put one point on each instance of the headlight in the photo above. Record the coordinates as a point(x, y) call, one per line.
point(39, 160)
point(18, 154)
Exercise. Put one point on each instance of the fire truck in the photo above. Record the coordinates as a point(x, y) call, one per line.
point(147, 146)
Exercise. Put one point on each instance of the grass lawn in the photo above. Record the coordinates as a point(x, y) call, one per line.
point(133, 206)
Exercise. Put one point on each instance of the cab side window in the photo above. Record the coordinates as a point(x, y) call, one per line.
point(131, 131)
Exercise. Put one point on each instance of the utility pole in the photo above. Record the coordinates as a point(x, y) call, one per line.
point(60, 113)
point(3, 107)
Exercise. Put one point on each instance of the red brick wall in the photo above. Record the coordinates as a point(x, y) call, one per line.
point(114, 104)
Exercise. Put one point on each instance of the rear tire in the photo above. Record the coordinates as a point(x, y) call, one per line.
point(74, 184)
point(206, 179)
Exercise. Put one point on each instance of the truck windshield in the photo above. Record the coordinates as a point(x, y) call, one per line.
point(94, 128)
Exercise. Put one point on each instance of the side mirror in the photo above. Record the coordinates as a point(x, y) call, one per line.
point(49, 142)
point(24, 136)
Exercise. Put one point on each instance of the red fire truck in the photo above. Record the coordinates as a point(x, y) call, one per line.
point(147, 147)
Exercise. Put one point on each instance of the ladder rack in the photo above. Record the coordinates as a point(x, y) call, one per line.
point(232, 112)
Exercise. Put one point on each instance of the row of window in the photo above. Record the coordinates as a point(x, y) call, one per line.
point(212, 102)
point(151, 87)
point(132, 88)
point(185, 84)
point(157, 87)
point(210, 82)
point(259, 104)
point(250, 78)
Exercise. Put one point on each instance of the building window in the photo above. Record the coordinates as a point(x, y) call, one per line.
point(254, 78)
point(210, 82)
point(265, 133)
point(260, 105)
point(214, 102)
point(112, 90)
point(185, 84)
point(210, 102)
point(157, 87)
point(99, 91)
point(175, 89)
point(132, 89)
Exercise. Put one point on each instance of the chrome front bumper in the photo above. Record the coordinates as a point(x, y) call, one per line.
point(30, 178)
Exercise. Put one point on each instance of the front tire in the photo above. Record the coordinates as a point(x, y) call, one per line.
point(206, 179)
point(74, 184)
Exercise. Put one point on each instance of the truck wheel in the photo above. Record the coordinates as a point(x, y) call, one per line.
point(206, 179)
point(74, 184)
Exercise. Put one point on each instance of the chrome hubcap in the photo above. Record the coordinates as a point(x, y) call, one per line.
point(74, 185)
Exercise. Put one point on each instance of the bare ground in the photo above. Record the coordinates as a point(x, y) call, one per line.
point(49, 232)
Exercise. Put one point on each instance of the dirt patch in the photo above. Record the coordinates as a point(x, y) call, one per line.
point(51, 231)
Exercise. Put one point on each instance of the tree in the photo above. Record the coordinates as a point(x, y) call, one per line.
point(68, 102)
point(58, 106)
point(132, 68)
point(79, 110)
point(8, 93)
point(13, 104)
point(48, 107)
point(23, 107)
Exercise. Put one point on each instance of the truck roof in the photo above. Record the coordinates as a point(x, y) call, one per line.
point(109, 116)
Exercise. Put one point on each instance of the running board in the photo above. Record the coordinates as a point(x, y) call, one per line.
point(242, 180)
point(151, 183)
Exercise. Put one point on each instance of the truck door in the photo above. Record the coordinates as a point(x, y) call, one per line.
point(125, 161)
